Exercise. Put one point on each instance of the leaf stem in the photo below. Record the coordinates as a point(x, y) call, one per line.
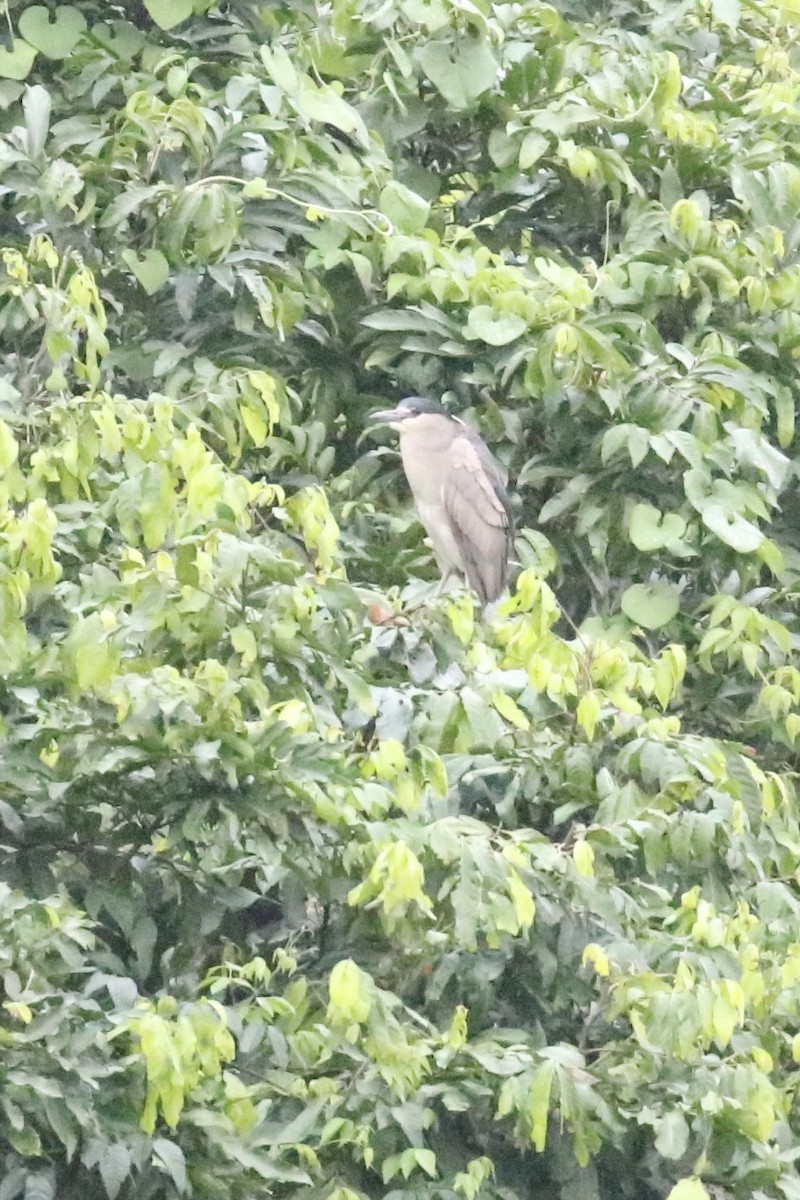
point(387, 230)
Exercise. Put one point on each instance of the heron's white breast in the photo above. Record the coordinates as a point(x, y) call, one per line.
point(437, 526)
point(424, 448)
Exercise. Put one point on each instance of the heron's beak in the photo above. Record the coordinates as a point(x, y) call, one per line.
point(388, 416)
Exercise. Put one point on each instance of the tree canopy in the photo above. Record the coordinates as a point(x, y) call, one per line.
point(307, 888)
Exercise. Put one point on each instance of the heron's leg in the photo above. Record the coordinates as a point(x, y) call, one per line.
point(445, 578)
point(421, 601)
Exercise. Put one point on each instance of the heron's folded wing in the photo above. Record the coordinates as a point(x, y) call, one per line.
point(476, 503)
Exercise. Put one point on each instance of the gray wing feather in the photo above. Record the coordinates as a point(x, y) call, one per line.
point(480, 513)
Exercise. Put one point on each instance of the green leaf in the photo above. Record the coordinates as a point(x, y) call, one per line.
point(407, 211)
point(156, 503)
point(150, 268)
point(427, 1160)
point(359, 692)
point(114, 1165)
point(168, 13)
point(485, 725)
point(534, 145)
point(15, 63)
point(121, 38)
point(732, 528)
point(169, 1156)
point(281, 68)
point(263, 1165)
point(784, 408)
point(461, 72)
point(650, 529)
point(494, 328)
point(672, 1135)
point(63, 1123)
point(651, 605)
point(55, 32)
point(25, 1141)
point(502, 148)
point(92, 659)
point(324, 104)
point(255, 423)
point(629, 439)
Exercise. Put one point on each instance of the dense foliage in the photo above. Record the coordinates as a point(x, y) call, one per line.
point(307, 889)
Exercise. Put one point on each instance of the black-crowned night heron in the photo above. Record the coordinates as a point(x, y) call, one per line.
point(459, 492)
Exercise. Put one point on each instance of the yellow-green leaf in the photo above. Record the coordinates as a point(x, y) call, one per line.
point(597, 957)
point(524, 903)
point(583, 857)
point(349, 992)
point(538, 1106)
point(8, 447)
point(588, 713)
point(688, 1189)
point(508, 708)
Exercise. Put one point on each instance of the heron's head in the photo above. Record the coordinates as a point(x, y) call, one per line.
point(413, 414)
